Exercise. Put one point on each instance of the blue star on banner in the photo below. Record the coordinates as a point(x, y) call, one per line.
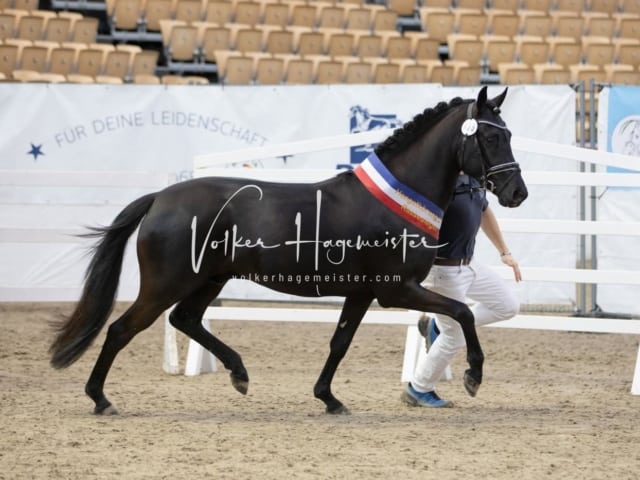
point(36, 150)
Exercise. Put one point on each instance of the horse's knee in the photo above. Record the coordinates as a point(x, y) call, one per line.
point(179, 319)
point(175, 319)
point(465, 317)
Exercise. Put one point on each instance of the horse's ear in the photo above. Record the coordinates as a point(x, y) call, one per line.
point(500, 98)
point(482, 98)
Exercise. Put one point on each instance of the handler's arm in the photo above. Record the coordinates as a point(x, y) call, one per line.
point(490, 227)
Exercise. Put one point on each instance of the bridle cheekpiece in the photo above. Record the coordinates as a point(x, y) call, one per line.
point(469, 128)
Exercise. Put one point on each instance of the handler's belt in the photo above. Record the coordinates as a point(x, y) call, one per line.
point(452, 262)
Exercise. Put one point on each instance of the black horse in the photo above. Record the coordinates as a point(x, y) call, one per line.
point(367, 234)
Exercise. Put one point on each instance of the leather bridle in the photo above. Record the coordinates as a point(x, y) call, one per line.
point(469, 129)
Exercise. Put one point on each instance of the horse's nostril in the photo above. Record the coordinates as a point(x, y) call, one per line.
point(522, 195)
point(519, 196)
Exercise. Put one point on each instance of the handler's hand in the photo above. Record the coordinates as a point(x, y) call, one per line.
point(509, 260)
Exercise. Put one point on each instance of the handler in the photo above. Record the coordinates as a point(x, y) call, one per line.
point(457, 275)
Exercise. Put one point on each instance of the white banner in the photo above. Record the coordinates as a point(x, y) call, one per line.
point(618, 132)
point(160, 129)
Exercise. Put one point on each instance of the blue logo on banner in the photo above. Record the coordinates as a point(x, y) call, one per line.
point(360, 120)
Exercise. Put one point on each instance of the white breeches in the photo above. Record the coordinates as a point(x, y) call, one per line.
point(493, 301)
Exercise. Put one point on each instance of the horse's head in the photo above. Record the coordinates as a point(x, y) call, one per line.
point(486, 150)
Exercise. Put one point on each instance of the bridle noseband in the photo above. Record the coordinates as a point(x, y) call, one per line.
point(469, 129)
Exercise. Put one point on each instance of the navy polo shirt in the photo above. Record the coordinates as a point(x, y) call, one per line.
point(461, 220)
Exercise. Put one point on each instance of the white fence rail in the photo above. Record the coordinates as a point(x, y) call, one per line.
point(36, 210)
point(207, 165)
point(41, 215)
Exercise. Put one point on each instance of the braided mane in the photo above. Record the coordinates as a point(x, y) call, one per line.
point(410, 131)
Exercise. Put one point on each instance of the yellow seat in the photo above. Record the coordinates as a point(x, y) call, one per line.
point(146, 79)
point(238, 70)
point(276, 14)
point(597, 50)
point(126, 15)
point(386, 73)
point(415, 73)
point(118, 64)
point(368, 44)
point(247, 13)
point(357, 72)
point(551, 73)
point(437, 23)
point(328, 71)
point(385, 20)
point(332, 16)
point(30, 27)
point(35, 58)
point(62, 60)
point(269, 71)
point(516, 74)
point(499, 50)
point(85, 30)
point(218, 11)
point(8, 59)
point(472, 22)
point(57, 29)
point(212, 37)
point(586, 73)
point(279, 41)
point(144, 62)
point(188, 10)
point(403, 8)
point(299, 71)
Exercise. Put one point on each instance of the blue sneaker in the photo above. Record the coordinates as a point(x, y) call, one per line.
point(424, 399)
point(428, 329)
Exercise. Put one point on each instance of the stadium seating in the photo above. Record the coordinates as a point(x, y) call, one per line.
point(454, 42)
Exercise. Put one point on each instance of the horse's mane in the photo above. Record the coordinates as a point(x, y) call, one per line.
point(407, 134)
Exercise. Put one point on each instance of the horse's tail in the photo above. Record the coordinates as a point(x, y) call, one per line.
point(77, 333)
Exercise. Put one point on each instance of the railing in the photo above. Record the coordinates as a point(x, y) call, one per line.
point(41, 215)
point(208, 165)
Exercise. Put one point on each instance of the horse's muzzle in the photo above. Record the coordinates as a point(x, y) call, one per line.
point(517, 196)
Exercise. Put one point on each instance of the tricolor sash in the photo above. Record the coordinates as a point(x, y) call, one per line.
point(402, 200)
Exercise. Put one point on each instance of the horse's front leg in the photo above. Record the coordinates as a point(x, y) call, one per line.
point(416, 297)
point(352, 313)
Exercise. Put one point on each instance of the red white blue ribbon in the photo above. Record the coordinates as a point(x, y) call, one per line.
point(402, 200)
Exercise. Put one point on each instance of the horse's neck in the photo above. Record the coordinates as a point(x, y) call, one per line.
point(430, 168)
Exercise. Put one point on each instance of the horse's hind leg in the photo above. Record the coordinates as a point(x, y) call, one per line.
point(138, 317)
point(187, 317)
point(352, 313)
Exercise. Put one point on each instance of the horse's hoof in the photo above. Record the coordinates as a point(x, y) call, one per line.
point(340, 410)
point(240, 385)
point(471, 385)
point(108, 410)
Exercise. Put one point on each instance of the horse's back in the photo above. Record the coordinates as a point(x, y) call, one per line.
point(220, 227)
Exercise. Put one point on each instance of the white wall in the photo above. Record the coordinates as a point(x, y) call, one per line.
point(160, 129)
